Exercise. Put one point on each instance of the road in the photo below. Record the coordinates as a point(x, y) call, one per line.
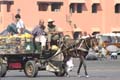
point(98, 70)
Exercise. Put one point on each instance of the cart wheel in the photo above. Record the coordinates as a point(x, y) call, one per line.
point(31, 69)
point(3, 70)
point(61, 73)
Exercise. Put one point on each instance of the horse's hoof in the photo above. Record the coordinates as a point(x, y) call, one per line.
point(67, 75)
point(20, 71)
point(79, 75)
point(87, 76)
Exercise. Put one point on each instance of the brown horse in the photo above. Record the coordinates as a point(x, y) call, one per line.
point(78, 49)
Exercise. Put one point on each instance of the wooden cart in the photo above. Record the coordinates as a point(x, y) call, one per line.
point(13, 58)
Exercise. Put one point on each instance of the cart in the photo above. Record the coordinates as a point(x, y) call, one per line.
point(15, 57)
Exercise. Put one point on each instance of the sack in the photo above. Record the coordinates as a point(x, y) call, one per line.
point(54, 47)
point(55, 37)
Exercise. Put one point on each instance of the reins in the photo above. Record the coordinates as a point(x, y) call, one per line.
point(59, 51)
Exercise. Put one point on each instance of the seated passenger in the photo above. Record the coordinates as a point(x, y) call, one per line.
point(53, 35)
point(19, 24)
point(16, 27)
point(39, 35)
point(12, 28)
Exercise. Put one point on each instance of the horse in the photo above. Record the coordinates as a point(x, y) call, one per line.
point(77, 49)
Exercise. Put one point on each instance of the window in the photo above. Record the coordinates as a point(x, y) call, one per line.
point(42, 6)
point(55, 7)
point(79, 8)
point(94, 8)
point(8, 4)
point(1, 20)
point(72, 8)
point(117, 8)
point(0, 7)
point(8, 7)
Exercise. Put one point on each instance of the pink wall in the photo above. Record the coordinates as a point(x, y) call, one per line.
point(104, 20)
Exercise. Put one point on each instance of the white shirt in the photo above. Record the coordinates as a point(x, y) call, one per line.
point(20, 24)
point(41, 39)
point(84, 37)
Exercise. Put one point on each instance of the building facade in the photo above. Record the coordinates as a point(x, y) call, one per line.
point(87, 15)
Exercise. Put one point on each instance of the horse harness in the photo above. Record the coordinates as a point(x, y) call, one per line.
point(80, 47)
point(75, 47)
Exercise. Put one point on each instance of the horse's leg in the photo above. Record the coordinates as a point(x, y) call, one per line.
point(66, 70)
point(80, 65)
point(84, 65)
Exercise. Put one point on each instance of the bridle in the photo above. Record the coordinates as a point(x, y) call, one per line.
point(84, 41)
point(80, 47)
point(75, 47)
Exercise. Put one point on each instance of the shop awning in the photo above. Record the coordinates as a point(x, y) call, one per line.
point(115, 29)
point(50, 1)
point(77, 29)
point(76, 1)
point(95, 1)
point(117, 1)
point(94, 29)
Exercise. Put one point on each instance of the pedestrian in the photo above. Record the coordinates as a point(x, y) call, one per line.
point(76, 32)
point(85, 35)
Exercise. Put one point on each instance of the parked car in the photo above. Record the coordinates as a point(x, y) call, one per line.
point(110, 41)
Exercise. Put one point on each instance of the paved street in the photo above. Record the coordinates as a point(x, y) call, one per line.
point(98, 70)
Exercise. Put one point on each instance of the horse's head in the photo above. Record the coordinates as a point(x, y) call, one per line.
point(92, 42)
point(67, 45)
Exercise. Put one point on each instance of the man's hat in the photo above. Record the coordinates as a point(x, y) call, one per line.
point(50, 20)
